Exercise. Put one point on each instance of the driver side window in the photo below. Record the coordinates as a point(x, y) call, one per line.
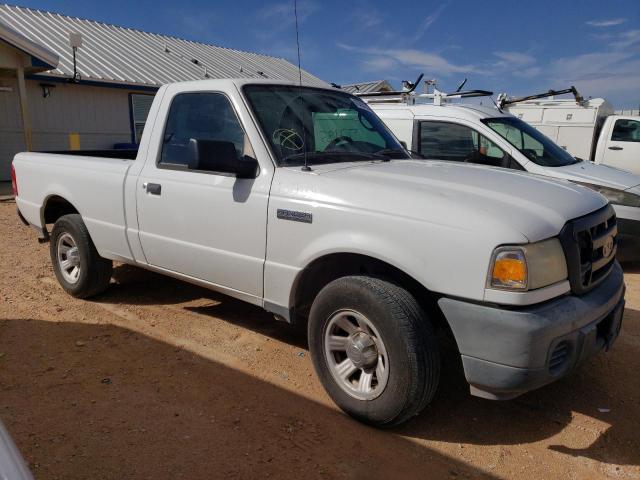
point(458, 143)
point(203, 116)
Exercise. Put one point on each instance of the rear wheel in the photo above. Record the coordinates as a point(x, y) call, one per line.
point(80, 270)
point(374, 349)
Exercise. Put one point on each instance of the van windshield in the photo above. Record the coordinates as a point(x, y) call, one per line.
point(530, 142)
point(321, 126)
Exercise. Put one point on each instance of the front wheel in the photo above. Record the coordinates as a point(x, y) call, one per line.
point(373, 349)
point(80, 270)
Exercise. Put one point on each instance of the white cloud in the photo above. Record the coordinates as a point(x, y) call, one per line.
point(379, 64)
point(627, 39)
point(430, 63)
point(285, 10)
point(518, 64)
point(367, 19)
point(589, 63)
point(606, 23)
point(605, 74)
point(515, 58)
point(528, 72)
point(427, 22)
point(281, 16)
point(274, 23)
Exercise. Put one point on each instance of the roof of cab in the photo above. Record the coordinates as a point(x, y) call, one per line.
point(239, 83)
point(453, 110)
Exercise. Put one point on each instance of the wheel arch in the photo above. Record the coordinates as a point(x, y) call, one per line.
point(54, 207)
point(329, 267)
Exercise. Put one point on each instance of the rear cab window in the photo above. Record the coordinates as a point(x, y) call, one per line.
point(626, 130)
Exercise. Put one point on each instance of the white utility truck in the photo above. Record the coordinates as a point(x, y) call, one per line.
point(587, 129)
point(300, 200)
point(433, 126)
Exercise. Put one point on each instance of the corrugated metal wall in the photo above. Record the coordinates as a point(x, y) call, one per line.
point(99, 115)
point(11, 136)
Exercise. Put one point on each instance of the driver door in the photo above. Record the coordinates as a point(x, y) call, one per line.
point(205, 225)
point(623, 145)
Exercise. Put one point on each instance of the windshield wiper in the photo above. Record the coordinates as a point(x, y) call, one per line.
point(387, 152)
point(348, 156)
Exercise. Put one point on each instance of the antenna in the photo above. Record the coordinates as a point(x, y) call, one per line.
point(306, 167)
point(295, 12)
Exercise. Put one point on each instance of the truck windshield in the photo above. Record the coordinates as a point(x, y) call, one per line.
point(322, 126)
point(530, 142)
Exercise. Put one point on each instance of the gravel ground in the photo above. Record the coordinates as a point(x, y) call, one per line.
point(160, 379)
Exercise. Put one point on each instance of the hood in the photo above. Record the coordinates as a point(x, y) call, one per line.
point(463, 196)
point(589, 172)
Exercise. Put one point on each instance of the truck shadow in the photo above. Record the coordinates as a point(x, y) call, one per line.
point(144, 287)
point(137, 286)
point(100, 401)
point(536, 416)
point(455, 416)
point(596, 391)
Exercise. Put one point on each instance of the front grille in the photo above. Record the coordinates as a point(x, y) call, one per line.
point(590, 245)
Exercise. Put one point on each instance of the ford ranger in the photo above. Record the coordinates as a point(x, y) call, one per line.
point(301, 201)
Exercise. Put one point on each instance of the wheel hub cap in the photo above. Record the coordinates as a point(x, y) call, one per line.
point(356, 355)
point(73, 255)
point(68, 258)
point(362, 350)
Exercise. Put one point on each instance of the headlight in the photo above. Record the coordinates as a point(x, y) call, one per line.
point(527, 267)
point(615, 196)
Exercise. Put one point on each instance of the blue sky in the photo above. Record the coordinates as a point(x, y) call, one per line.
point(513, 46)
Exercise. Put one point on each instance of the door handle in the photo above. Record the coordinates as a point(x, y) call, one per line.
point(152, 188)
point(615, 148)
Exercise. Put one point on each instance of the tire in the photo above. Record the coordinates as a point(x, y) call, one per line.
point(406, 372)
point(70, 242)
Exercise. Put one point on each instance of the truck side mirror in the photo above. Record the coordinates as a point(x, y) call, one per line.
point(220, 157)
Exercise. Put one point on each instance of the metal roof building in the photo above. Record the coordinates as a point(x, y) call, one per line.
point(126, 56)
point(47, 105)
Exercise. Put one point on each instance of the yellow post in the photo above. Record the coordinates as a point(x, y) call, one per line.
point(74, 141)
point(24, 107)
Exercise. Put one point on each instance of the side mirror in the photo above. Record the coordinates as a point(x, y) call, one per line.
point(220, 157)
point(404, 144)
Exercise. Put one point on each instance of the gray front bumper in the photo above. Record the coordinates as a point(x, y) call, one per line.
point(507, 352)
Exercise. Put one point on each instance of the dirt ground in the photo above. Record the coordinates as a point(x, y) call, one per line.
point(161, 379)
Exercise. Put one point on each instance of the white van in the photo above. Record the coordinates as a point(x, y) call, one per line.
point(587, 129)
point(485, 135)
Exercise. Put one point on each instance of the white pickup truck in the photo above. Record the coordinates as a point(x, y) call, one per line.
point(301, 201)
point(587, 129)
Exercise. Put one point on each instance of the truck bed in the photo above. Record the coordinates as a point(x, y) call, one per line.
point(93, 185)
point(123, 154)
